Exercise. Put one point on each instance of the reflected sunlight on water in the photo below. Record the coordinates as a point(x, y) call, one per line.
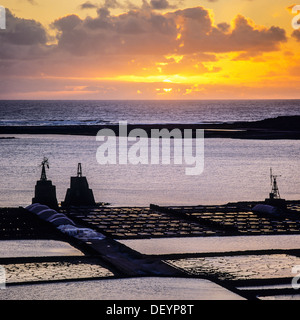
point(234, 170)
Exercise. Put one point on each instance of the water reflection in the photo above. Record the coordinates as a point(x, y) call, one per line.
point(123, 289)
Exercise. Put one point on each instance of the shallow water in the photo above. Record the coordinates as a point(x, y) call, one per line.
point(122, 289)
point(213, 244)
point(281, 297)
point(240, 267)
point(36, 248)
point(57, 270)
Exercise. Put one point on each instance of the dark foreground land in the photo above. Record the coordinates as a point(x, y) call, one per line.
point(230, 220)
point(285, 127)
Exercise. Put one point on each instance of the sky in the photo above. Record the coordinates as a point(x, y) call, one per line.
point(149, 49)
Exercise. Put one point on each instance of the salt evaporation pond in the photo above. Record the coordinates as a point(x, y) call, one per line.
point(213, 244)
point(36, 248)
point(123, 289)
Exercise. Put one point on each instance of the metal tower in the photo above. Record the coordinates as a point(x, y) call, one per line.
point(43, 164)
point(275, 191)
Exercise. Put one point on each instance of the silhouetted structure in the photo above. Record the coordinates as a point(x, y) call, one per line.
point(274, 196)
point(45, 192)
point(79, 193)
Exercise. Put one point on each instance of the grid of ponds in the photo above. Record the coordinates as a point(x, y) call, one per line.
point(162, 222)
point(242, 221)
point(258, 274)
point(140, 222)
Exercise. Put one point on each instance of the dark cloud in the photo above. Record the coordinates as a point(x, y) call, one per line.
point(22, 31)
point(67, 23)
point(296, 34)
point(161, 4)
point(22, 39)
point(135, 32)
point(199, 35)
point(88, 5)
point(249, 37)
point(224, 27)
point(107, 44)
point(113, 4)
point(148, 32)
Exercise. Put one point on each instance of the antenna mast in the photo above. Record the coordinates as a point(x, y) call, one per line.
point(43, 164)
point(275, 191)
point(79, 170)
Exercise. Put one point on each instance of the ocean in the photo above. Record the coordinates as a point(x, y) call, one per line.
point(24, 113)
point(234, 170)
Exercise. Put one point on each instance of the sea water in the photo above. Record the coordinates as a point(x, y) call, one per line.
point(234, 170)
point(28, 112)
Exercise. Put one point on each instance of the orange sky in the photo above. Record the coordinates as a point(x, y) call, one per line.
point(157, 49)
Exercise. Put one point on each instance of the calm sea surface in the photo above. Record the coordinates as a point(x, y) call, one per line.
point(102, 112)
point(234, 170)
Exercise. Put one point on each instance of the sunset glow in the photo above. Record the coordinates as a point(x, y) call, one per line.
point(149, 50)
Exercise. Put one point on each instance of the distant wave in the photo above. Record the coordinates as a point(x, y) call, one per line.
point(89, 122)
point(55, 122)
point(280, 120)
point(90, 113)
